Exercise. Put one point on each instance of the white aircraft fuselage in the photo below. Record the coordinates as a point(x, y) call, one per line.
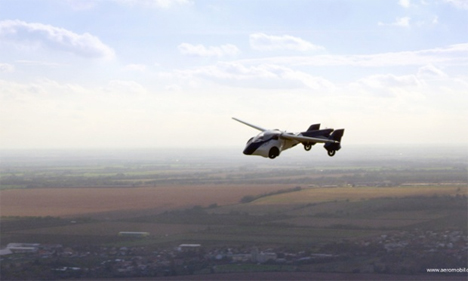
point(263, 143)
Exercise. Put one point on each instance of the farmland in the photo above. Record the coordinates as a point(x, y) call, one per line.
point(313, 205)
point(120, 201)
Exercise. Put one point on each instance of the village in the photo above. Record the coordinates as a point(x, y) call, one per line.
point(406, 218)
point(397, 252)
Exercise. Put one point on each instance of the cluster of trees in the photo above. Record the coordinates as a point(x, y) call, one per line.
point(251, 198)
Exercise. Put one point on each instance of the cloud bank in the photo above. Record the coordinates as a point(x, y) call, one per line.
point(460, 4)
point(263, 76)
point(263, 42)
point(211, 51)
point(454, 55)
point(5, 67)
point(56, 38)
point(401, 22)
point(155, 3)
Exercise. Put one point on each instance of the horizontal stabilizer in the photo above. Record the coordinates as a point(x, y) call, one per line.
point(306, 139)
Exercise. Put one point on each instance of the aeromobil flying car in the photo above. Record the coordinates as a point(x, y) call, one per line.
point(270, 143)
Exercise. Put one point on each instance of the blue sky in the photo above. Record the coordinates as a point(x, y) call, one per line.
point(171, 73)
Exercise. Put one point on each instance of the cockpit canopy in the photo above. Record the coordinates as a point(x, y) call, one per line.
point(265, 136)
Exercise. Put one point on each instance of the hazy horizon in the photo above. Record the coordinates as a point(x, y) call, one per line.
point(349, 155)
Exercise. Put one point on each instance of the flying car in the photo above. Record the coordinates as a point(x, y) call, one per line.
point(270, 143)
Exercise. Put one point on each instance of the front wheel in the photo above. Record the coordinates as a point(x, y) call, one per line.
point(307, 147)
point(273, 153)
point(331, 153)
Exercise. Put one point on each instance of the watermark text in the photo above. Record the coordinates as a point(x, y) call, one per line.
point(447, 270)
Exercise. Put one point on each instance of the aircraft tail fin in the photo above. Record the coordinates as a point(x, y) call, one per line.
point(337, 135)
point(332, 147)
point(313, 127)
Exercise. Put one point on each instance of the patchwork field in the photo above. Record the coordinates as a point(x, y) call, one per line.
point(348, 216)
point(119, 202)
point(130, 202)
point(203, 214)
point(327, 194)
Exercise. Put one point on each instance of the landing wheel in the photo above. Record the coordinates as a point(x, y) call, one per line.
point(307, 147)
point(331, 153)
point(274, 151)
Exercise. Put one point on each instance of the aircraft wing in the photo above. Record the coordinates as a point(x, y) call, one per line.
point(250, 125)
point(306, 139)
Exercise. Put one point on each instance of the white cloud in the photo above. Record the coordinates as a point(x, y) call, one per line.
point(404, 3)
point(135, 67)
point(380, 81)
point(164, 4)
point(82, 4)
point(263, 42)
point(5, 67)
point(37, 91)
point(428, 87)
point(84, 45)
point(453, 54)
point(39, 63)
point(460, 4)
point(155, 3)
point(407, 87)
point(47, 113)
point(400, 22)
point(125, 87)
point(265, 76)
point(431, 70)
point(173, 88)
point(211, 51)
point(281, 72)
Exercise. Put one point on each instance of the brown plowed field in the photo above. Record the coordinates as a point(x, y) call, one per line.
point(92, 201)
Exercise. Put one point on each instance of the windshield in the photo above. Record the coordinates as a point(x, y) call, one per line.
point(259, 137)
point(265, 136)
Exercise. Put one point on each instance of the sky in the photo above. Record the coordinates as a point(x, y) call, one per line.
point(172, 73)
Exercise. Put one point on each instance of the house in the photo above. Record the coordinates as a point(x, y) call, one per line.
point(189, 247)
point(21, 248)
point(134, 234)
